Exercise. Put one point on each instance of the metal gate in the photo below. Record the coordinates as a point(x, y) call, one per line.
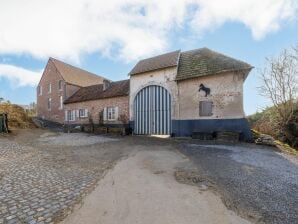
point(152, 111)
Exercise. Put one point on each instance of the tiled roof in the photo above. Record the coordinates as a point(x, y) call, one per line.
point(203, 61)
point(95, 92)
point(76, 76)
point(158, 62)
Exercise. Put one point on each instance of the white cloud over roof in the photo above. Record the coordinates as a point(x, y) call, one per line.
point(125, 29)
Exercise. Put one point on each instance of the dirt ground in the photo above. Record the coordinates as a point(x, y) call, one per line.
point(50, 177)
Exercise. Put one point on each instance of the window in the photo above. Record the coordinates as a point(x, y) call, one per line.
point(70, 115)
point(49, 88)
point(60, 102)
point(60, 84)
point(205, 108)
point(49, 103)
point(111, 113)
point(83, 113)
point(39, 90)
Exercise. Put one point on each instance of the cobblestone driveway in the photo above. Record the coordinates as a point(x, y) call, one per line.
point(40, 182)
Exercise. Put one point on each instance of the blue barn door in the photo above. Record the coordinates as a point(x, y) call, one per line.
point(152, 111)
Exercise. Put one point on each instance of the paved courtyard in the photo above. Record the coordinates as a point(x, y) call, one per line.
point(43, 175)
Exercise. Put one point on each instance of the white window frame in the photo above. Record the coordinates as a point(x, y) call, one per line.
point(71, 115)
point(60, 102)
point(49, 88)
point(111, 113)
point(49, 104)
point(83, 113)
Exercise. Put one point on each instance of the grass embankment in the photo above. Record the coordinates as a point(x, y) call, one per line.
point(280, 145)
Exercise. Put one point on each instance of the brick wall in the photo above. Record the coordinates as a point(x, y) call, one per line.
point(95, 107)
point(51, 75)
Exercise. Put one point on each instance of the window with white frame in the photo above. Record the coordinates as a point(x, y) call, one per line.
point(60, 84)
point(49, 103)
point(49, 88)
point(83, 113)
point(71, 115)
point(60, 102)
point(111, 113)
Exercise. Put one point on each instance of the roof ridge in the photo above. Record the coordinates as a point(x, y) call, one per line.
point(113, 82)
point(159, 55)
point(201, 48)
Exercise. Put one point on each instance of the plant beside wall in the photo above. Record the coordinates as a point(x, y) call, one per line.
point(280, 85)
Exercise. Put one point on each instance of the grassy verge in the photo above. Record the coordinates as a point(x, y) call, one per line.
point(285, 147)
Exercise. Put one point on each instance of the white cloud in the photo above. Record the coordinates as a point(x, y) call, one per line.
point(125, 29)
point(261, 17)
point(19, 76)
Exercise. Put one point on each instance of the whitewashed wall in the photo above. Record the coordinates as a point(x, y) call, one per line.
point(226, 94)
point(163, 77)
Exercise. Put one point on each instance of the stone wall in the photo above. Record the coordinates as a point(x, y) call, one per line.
point(226, 95)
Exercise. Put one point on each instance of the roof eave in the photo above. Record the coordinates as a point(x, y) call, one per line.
point(102, 98)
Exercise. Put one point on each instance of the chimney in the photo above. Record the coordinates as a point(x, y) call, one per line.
point(106, 84)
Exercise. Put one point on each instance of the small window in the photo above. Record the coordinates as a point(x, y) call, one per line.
point(60, 84)
point(39, 90)
point(205, 108)
point(83, 113)
point(60, 102)
point(111, 113)
point(49, 103)
point(49, 88)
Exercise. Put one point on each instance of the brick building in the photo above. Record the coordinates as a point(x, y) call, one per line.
point(106, 103)
point(58, 82)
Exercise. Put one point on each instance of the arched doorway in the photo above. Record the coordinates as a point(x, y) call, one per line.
point(152, 111)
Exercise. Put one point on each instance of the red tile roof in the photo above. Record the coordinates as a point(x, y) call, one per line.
point(76, 76)
point(96, 92)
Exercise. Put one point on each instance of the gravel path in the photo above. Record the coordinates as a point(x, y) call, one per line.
point(261, 184)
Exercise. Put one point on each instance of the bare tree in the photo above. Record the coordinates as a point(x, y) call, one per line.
point(279, 84)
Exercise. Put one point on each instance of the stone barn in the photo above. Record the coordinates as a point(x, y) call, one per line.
point(181, 93)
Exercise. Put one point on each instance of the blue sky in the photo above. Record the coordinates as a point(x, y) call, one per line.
point(88, 36)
